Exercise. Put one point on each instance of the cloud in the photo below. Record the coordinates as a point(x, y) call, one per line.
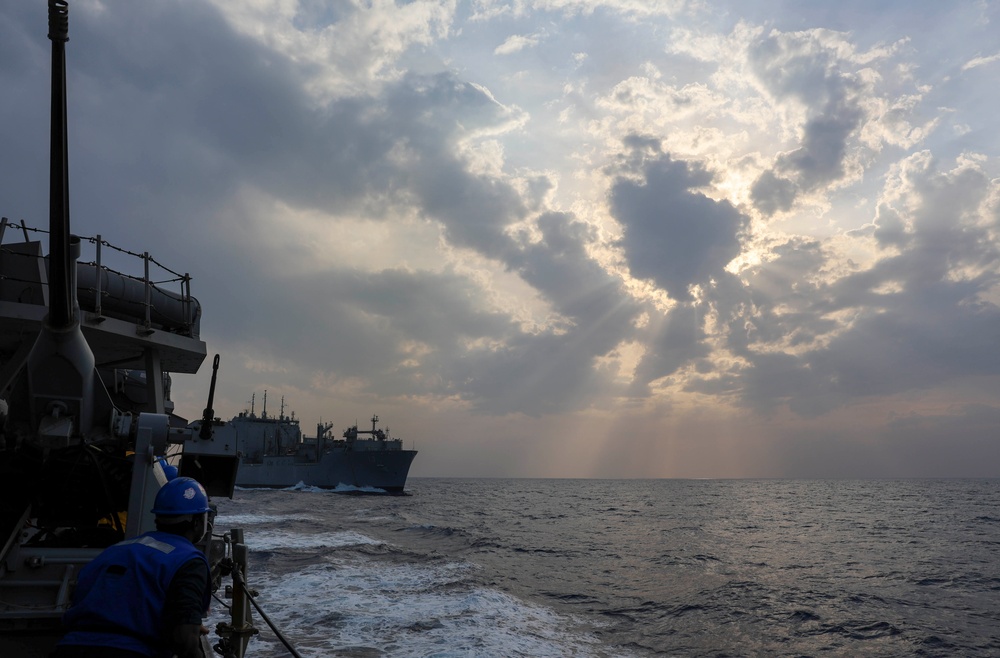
point(809, 68)
point(516, 43)
point(555, 371)
point(720, 222)
point(626, 7)
point(343, 48)
point(672, 234)
point(675, 340)
point(914, 320)
point(980, 61)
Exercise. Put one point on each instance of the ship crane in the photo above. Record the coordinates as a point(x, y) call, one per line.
point(322, 429)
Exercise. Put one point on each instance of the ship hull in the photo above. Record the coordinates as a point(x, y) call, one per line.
point(385, 470)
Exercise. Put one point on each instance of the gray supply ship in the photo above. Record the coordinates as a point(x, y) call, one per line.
point(274, 453)
point(86, 421)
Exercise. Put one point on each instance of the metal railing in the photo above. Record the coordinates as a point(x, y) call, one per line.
point(151, 287)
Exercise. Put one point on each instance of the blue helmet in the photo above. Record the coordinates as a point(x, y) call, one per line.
point(169, 470)
point(180, 496)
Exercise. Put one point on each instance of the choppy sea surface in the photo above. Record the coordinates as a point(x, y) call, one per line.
point(607, 568)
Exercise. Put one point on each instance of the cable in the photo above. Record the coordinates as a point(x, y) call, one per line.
point(220, 601)
point(238, 577)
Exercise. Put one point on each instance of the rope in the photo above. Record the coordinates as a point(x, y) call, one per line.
point(238, 577)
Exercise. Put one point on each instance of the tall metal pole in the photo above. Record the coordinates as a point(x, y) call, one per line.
point(60, 294)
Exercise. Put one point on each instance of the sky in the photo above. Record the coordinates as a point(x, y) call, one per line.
point(560, 238)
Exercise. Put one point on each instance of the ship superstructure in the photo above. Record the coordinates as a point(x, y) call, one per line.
point(274, 453)
point(86, 420)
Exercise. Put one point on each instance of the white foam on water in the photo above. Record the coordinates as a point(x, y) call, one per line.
point(269, 540)
point(308, 488)
point(355, 607)
point(226, 521)
point(340, 488)
point(347, 488)
point(302, 486)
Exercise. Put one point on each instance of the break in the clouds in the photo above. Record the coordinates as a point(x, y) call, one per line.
point(738, 239)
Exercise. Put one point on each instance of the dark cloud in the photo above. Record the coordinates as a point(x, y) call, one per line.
point(802, 67)
point(172, 113)
point(674, 340)
point(889, 229)
point(408, 331)
point(673, 234)
point(25, 64)
point(784, 300)
point(169, 112)
point(772, 193)
point(430, 114)
point(560, 268)
point(554, 371)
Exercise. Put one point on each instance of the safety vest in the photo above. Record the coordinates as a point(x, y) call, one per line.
point(120, 596)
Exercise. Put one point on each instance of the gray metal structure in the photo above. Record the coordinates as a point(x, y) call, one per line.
point(85, 412)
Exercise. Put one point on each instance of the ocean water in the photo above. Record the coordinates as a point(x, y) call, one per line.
point(609, 568)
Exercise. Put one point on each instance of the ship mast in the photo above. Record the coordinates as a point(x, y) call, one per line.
point(62, 379)
point(61, 311)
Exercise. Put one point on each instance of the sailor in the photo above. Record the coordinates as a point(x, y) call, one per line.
point(146, 596)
